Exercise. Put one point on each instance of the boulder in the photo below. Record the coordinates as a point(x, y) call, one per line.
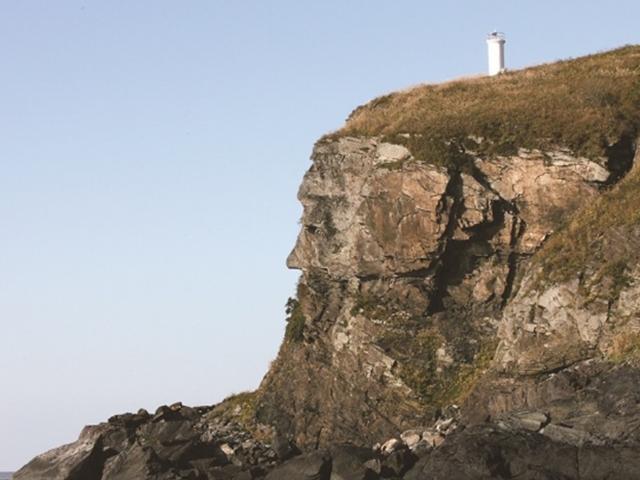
point(353, 463)
point(488, 451)
point(398, 462)
point(411, 438)
point(391, 446)
point(532, 421)
point(314, 465)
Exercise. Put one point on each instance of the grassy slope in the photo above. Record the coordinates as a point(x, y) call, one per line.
point(583, 104)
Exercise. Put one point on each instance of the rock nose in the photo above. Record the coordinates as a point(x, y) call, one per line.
point(293, 260)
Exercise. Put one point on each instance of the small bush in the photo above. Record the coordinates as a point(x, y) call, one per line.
point(296, 320)
point(416, 352)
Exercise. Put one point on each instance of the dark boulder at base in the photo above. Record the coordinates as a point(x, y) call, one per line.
point(354, 463)
point(309, 466)
point(488, 452)
point(177, 442)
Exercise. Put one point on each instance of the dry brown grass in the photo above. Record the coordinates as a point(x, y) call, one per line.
point(625, 348)
point(583, 104)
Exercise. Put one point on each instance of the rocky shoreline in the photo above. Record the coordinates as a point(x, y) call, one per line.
point(180, 442)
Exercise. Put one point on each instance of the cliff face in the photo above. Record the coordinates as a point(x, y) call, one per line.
point(490, 264)
point(469, 257)
point(409, 282)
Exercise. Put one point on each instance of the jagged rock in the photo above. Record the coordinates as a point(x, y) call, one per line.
point(531, 421)
point(397, 463)
point(82, 459)
point(486, 451)
point(353, 463)
point(283, 447)
point(444, 425)
point(176, 442)
point(433, 438)
point(411, 438)
point(391, 446)
point(130, 464)
point(382, 242)
point(308, 466)
point(559, 433)
point(374, 465)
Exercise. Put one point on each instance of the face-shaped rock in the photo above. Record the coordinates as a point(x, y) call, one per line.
point(369, 210)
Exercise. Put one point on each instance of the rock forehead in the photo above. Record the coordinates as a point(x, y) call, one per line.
point(369, 210)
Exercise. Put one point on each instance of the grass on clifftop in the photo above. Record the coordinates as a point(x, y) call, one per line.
point(584, 104)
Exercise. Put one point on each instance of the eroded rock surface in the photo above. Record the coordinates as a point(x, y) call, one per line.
point(177, 442)
point(407, 268)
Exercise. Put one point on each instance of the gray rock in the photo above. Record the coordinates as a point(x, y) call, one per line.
point(411, 438)
point(308, 466)
point(391, 446)
point(374, 465)
point(283, 446)
point(81, 458)
point(176, 443)
point(532, 421)
point(397, 463)
point(563, 434)
point(353, 463)
point(486, 452)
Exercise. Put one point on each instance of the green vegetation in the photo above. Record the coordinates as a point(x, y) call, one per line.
point(413, 340)
point(417, 355)
point(418, 360)
point(369, 306)
point(329, 226)
point(458, 386)
point(295, 321)
point(239, 407)
point(584, 104)
point(599, 239)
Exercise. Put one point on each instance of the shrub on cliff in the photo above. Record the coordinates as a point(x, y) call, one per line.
point(295, 321)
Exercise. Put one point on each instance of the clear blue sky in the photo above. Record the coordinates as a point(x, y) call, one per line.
point(150, 154)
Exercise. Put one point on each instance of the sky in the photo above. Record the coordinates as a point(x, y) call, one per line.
point(150, 155)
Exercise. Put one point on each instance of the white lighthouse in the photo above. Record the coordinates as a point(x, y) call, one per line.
point(495, 44)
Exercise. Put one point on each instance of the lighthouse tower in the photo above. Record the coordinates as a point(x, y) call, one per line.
point(495, 44)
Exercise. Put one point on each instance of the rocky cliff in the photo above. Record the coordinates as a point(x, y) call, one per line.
point(470, 288)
